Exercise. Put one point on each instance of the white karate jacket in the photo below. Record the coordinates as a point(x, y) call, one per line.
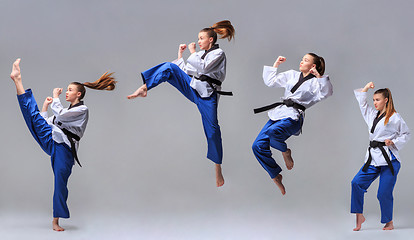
point(396, 130)
point(310, 92)
point(213, 65)
point(74, 120)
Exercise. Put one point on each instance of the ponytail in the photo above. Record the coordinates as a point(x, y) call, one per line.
point(222, 28)
point(105, 82)
point(389, 108)
point(319, 62)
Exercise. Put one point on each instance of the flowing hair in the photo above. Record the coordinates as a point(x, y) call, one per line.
point(222, 28)
point(389, 108)
point(319, 62)
point(105, 82)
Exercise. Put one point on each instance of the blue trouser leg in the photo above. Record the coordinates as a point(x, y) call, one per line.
point(38, 127)
point(363, 180)
point(61, 155)
point(360, 184)
point(171, 73)
point(274, 134)
point(386, 187)
point(208, 111)
point(62, 163)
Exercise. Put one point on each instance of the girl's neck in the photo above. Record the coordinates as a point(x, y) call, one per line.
point(305, 74)
point(75, 102)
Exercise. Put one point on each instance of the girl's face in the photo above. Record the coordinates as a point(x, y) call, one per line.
point(72, 94)
point(306, 64)
point(380, 102)
point(204, 41)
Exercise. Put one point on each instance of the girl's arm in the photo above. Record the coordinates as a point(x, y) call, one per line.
point(270, 76)
point(402, 137)
point(180, 61)
point(361, 96)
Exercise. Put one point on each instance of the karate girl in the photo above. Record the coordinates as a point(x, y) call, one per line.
point(199, 80)
point(388, 133)
point(58, 135)
point(302, 90)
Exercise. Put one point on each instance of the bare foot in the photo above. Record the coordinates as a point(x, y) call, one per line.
point(287, 156)
point(56, 226)
point(17, 77)
point(140, 92)
point(278, 181)
point(360, 219)
point(389, 226)
point(219, 176)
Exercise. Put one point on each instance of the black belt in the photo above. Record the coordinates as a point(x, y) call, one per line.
point(211, 81)
point(380, 145)
point(287, 102)
point(72, 136)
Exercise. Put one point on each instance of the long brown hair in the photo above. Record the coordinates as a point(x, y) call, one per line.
point(389, 108)
point(105, 82)
point(222, 28)
point(319, 62)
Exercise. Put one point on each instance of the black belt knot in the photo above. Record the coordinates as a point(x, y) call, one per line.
point(287, 102)
point(380, 145)
point(375, 144)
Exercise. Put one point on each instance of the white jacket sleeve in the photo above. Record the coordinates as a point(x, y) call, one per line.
point(403, 135)
point(366, 110)
point(272, 79)
point(325, 88)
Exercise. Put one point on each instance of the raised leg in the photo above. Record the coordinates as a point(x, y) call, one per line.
point(360, 184)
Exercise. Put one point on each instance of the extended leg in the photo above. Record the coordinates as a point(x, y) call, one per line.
point(165, 72)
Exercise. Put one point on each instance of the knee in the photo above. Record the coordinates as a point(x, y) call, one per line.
point(384, 196)
point(257, 146)
point(355, 184)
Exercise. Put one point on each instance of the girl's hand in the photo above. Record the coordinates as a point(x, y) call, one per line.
point(368, 86)
point(181, 49)
point(315, 72)
point(192, 47)
point(388, 142)
point(57, 92)
point(278, 61)
point(46, 104)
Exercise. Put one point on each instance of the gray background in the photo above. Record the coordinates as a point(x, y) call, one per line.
point(145, 174)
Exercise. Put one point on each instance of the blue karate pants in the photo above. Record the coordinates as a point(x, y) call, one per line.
point(274, 134)
point(171, 73)
point(60, 153)
point(363, 180)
